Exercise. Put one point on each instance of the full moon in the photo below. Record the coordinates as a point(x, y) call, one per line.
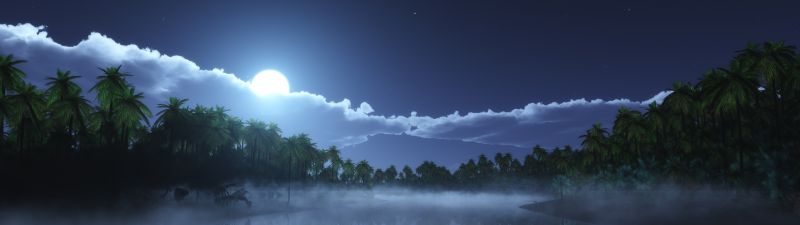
point(269, 82)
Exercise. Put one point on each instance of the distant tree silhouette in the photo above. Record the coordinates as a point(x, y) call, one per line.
point(171, 118)
point(595, 141)
point(10, 77)
point(390, 175)
point(30, 103)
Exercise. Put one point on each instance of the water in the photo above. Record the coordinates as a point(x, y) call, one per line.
point(389, 206)
point(317, 207)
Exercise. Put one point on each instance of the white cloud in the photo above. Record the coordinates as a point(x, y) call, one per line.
point(550, 124)
point(658, 98)
point(365, 108)
point(160, 76)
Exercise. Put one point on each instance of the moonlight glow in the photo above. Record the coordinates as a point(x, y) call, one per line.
point(269, 82)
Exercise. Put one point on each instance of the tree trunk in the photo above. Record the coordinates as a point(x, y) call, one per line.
point(123, 142)
point(83, 140)
point(2, 119)
point(741, 139)
point(33, 115)
point(2, 129)
point(21, 137)
point(110, 132)
point(169, 141)
point(289, 200)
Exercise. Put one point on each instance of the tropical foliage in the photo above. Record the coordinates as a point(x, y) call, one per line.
point(737, 127)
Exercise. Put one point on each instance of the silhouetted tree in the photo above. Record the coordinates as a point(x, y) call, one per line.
point(10, 77)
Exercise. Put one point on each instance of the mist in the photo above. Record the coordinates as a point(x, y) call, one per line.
point(667, 205)
point(399, 205)
point(309, 205)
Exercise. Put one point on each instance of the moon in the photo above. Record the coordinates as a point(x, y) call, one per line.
point(269, 82)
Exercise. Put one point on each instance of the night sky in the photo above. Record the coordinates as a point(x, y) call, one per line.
point(430, 57)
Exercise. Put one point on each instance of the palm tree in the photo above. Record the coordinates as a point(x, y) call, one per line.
point(408, 175)
point(363, 172)
point(102, 123)
point(684, 103)
point(10, 77)
point(594, 141)
point(379, 177)
point(630, 126)
point(262, 140)
point(273, 138)
point(298, 147)
point(130, 113)
point(64, 99)
point(731, 91)
point(209, 130)
point(109, 87)
point(486, 167)
point(660, 122)
point(561, 160)
point(471, 171)
point(503, 163)
point(61, 85)
point(30, 102)
point(774, 63)
point(256, 135)
point(431, 174)
point(771, 60)
point(516, 166)
point(539, 158)
point(316, 164)
point(212, 130)
point(682, 99)
point(73, 108)
point(390, 174)
point(334, 155)
point(6, 110)
point(171, 117)
point(235, 127)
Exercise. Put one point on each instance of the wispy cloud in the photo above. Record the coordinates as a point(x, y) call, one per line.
point(552, 124)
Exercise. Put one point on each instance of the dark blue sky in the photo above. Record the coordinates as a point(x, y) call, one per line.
point(435, 56)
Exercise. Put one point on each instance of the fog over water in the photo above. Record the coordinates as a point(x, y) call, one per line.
point(312, 206)
point(355, 206)
point(408, 207)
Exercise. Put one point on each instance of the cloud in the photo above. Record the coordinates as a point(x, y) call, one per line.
point(552, 124)
point(161, 76)
point(328, 122)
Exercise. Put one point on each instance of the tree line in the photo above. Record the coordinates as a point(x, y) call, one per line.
point(736, 127)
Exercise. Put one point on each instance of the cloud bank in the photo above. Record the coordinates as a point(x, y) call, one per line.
point(329, 122)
